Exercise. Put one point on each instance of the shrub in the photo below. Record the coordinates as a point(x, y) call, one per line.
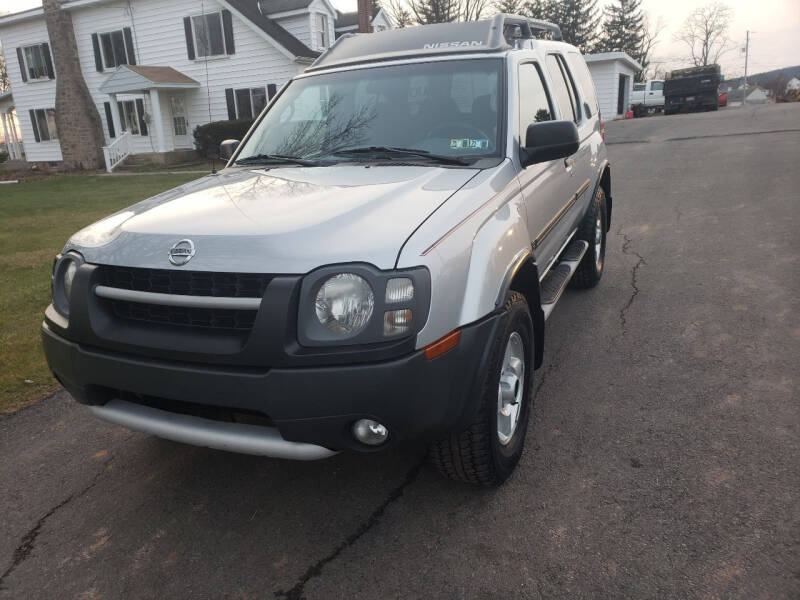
point(208, 137)
point(3, 157)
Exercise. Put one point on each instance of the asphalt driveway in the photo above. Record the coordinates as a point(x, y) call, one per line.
point(663, 459)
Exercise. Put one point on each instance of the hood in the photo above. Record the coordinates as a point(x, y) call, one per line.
point(286, 220)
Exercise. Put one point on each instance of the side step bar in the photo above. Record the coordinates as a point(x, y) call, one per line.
point(557, 278)
point(233, 437)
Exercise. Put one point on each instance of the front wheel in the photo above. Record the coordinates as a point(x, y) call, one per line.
point(488, 451)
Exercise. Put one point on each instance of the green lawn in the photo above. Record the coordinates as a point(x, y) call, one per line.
point(36, 219)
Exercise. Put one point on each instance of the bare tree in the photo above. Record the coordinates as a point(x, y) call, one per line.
point(705, 32)
point(399, 13)
point(472, 10)
point(4, 83)
point(511, 7)
point(650, 33)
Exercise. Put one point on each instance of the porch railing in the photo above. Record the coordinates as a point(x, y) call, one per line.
point(117, 151)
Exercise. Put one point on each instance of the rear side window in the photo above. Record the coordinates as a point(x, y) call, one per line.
point(534, 104)
point(657, 85)
point(584, 80)
point(563, 95)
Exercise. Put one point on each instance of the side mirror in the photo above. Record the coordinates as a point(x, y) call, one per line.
point(548, 141)
point(227, 148)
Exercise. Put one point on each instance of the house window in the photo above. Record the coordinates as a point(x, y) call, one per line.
point(35, 62)
point(208, 35)
point(43, 121)
point(129, 117)
point(179, 123)
point(322, 30)
point(112, 45)
point(249, 102)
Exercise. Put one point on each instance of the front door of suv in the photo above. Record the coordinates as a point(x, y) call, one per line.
point(546, 186)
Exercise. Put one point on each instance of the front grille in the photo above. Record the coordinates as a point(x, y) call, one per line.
point(186, 283)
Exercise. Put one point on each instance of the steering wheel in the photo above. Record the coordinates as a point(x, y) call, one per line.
point(457, 125)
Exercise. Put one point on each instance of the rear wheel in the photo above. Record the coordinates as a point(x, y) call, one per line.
point(487, 452)
point(592, 230)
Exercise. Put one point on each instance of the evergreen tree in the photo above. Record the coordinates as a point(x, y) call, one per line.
point(623, 28)
point(578, 19)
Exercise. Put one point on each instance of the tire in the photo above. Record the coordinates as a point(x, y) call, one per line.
point(481, 454)
point(593, 226)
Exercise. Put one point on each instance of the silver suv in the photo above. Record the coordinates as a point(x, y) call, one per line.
point(376, 262)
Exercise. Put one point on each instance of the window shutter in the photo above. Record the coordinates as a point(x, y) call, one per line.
point(227, 27)
point(140, 112)
point(109, 119)
point(231, 104)
point(35, 126)
point(272, 89)
point(21, 65)
point(48, 61)
point(129, 48)
point(98, 58)
point(187, 27)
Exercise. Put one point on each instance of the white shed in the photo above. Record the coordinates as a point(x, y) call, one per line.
point(613, 73)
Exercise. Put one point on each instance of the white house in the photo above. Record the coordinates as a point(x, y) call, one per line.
point(757, 96)
point(613, 74)
point(348, 22)
point(157, 69)
point(793, 84)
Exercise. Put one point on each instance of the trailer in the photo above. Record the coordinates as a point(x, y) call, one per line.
point(692, 89)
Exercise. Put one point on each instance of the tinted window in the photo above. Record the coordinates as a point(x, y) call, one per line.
point(534, 105)
point(585, 83)
point(638, 87)
point(561, 92)
point(657, 85)
point(450, 108)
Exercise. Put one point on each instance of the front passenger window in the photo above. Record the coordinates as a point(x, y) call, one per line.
point(534, 104)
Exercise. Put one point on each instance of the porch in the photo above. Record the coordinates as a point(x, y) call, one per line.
point(9, 127)
point(146, 113)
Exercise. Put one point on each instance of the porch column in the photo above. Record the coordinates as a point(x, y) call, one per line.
point(157, 123)
point(6, 136)
point(115, 115)
point(14, 136)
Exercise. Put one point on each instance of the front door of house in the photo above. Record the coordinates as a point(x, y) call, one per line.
point(180, 124)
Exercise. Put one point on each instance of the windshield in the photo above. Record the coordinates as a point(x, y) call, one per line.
point(445, 109)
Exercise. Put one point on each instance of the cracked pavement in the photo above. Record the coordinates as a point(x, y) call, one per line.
point(662, 460)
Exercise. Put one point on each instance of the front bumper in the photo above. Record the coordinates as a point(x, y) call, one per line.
point(412, 396)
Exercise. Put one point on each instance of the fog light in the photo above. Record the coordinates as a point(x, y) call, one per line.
point(397, 321)
point(370, 432)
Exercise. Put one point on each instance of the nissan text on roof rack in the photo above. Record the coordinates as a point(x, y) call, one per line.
point(376, 262)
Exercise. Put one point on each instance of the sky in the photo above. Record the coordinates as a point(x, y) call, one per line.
point(775, 43)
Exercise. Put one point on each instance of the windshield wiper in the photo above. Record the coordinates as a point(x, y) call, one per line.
point(453, 160)
point(265, 159)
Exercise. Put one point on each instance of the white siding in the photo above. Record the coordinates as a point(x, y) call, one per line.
point(606, 81)
point(33, 94)
point(380, 20)
point(160, 40)
point(299, 26)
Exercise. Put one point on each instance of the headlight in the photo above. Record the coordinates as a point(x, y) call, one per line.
point(63, 276)
point(358, 304)
point(344, 304)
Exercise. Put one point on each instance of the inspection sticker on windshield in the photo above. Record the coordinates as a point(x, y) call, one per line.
point(469, 144)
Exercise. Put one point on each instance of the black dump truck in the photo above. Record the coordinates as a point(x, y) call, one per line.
point(695, 88)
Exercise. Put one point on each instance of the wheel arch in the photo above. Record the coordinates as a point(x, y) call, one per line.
point(605, 183)
point(523, 277)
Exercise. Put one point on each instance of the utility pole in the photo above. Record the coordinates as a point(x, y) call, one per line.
point(746, 53)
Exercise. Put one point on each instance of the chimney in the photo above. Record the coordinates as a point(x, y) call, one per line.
point(364, 16)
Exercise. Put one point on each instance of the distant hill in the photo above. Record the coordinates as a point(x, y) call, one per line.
point(765, 80)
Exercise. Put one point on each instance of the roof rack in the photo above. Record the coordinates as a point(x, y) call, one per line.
point(501, 32)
